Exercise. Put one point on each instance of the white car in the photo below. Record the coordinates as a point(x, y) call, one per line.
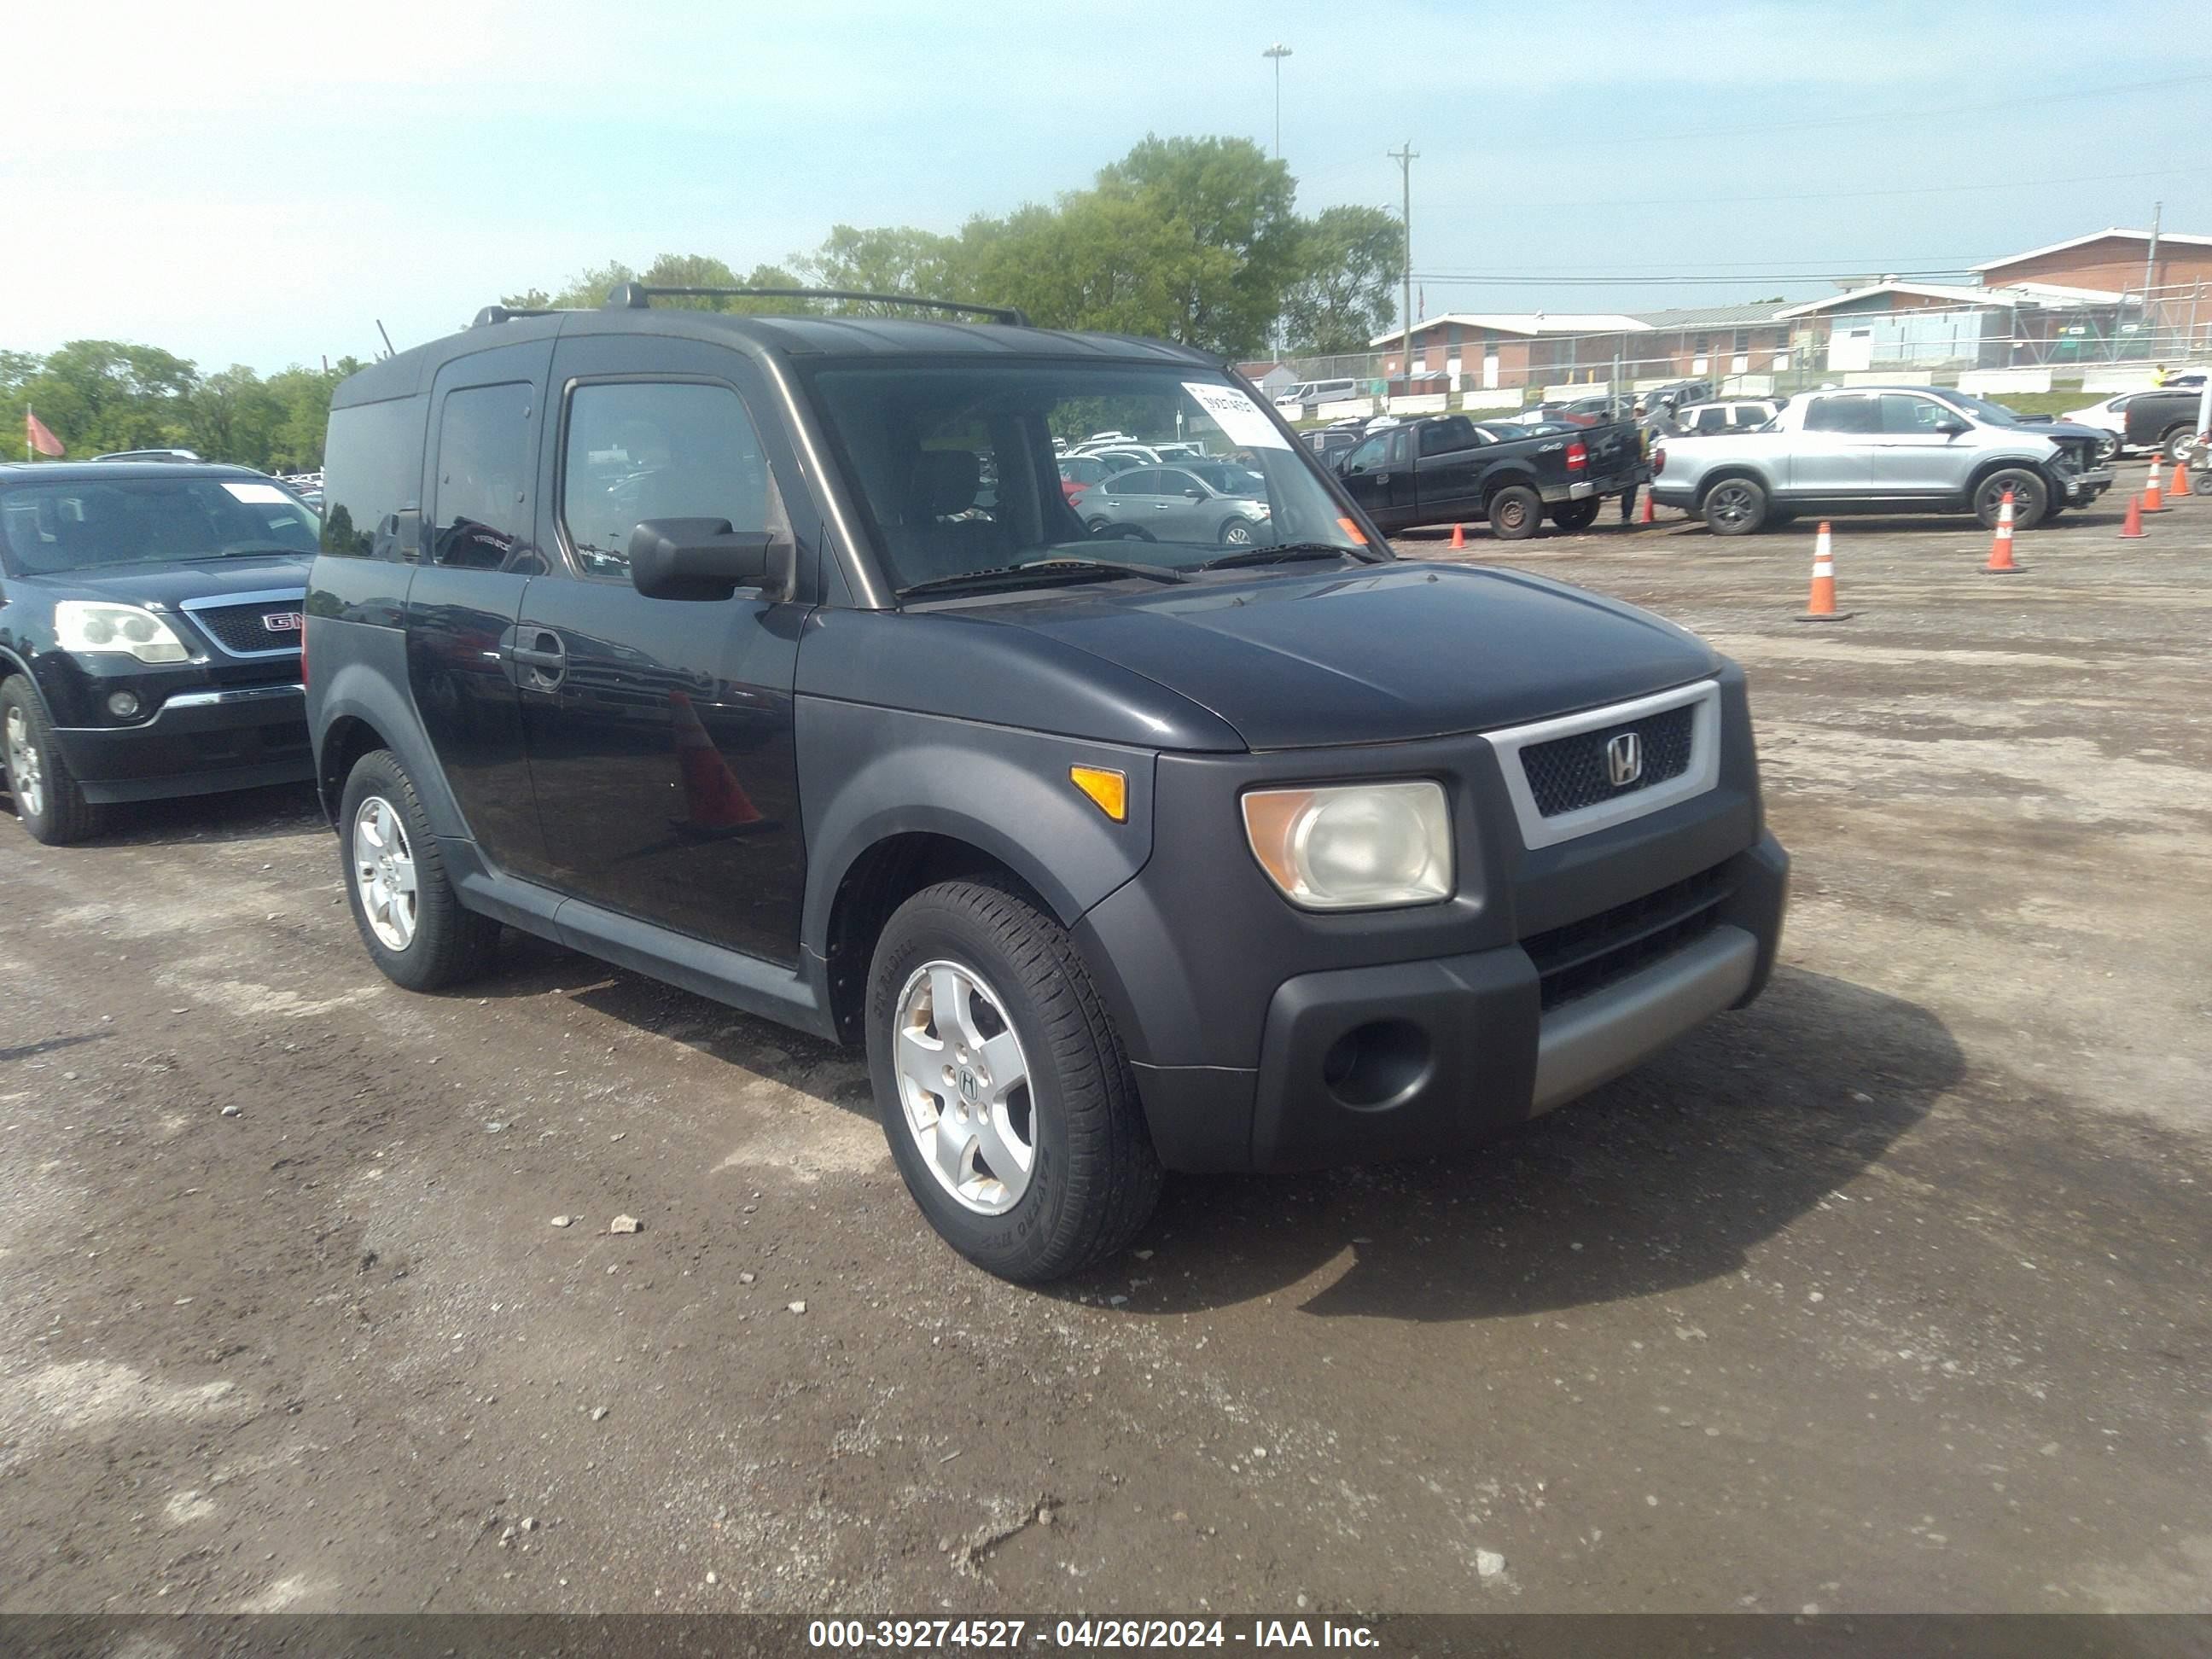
point(1726, 415)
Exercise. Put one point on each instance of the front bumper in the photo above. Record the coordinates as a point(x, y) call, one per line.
point(197, 743)
point(1426, 1057)
point(2083, 488)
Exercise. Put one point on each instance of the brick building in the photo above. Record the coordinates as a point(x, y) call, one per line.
point(2113, 261)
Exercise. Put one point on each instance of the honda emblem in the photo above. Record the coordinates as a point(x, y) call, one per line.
point(1623, 759)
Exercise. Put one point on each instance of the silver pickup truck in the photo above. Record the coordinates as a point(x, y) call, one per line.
point(1882, 449)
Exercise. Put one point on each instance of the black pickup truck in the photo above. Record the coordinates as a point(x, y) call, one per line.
point(1445, 469)
point(2163, 420)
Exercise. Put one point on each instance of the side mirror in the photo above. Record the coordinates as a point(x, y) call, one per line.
point(705, 559)
point(1193, 493)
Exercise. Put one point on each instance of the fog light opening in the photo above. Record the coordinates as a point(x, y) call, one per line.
point(123, 705)
point(1376, 1065)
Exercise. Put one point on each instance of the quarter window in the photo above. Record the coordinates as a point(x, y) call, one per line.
point(659, 449)
point(482, 509)
point(373, 470)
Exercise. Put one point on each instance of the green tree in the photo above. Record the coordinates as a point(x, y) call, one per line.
point(98, 395)
point(1226, 210)
point(1349, 260)
point(891, 260)
point(229, 416)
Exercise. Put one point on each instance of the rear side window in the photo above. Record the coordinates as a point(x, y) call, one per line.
point(481, 511)
point(372, 470)
point(659, 449)
point(1842, 414)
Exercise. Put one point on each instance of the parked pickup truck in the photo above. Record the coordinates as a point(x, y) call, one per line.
point(2163, 420)
point(1445, 469)
point(1882, 449)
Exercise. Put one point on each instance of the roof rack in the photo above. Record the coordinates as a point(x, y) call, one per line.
point(491, 314)
point(637, 296)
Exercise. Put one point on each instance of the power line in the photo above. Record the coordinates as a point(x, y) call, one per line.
point(1861, 195)
point(1923, 113)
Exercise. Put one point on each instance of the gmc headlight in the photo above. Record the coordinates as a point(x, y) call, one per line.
point(84, 625)
point(1353, 846)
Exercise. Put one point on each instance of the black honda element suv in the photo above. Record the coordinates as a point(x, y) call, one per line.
point(769, 656)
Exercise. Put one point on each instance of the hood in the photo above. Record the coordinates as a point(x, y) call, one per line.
point(1377, 655)
point(2070, 428)
point(170, 584)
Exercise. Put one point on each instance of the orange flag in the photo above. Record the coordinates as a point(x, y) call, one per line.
point(42, 442)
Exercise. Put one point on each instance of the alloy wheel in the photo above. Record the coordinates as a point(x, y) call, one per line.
point(964, 1085)
point(383, 874)
point(27, 776)
point(1731, 503)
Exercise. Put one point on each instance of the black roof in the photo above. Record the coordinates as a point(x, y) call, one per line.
point(792, 337)
point(62, 472)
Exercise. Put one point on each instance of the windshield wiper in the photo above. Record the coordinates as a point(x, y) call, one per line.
point(242, 551)
point(1288, 551)
point(1017, 574)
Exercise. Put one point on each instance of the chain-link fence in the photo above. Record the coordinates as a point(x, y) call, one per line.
point(2015, 340)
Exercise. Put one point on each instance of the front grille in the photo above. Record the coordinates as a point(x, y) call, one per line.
point(241, 627)
point(1586, 956)
point(1569, 773)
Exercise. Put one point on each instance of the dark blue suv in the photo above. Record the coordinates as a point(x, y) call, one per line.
point(150, 625)
point(768, 655)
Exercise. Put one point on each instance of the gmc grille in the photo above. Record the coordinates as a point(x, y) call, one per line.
point(1569, 773)
point(240, 627)
point(1586, 956)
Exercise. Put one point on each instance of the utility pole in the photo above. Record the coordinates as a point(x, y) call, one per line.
point(1277, 51)
point(1404, 156)
point(2150, 264)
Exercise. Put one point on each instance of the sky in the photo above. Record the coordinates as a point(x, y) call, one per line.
point(259, 183)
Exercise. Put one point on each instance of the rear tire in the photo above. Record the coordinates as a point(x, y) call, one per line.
point(2030, 495)
point(1515, 513)
point(1008, 971)
point(2176, 444)
point(48, 798)
point(1574, 517)
point(1736, 507)
point(415, 926)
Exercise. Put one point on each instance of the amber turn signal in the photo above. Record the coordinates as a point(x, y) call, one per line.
point(1109, 791)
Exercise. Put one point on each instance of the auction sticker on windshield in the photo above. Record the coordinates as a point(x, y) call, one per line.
point(259, 492)
point(1237, 414)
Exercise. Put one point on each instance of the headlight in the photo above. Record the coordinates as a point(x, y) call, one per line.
point(82, 625)
point(1355, 846)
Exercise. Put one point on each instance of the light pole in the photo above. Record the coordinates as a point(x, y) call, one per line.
point(1277, 51)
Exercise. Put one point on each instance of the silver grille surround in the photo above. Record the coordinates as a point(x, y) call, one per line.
point(296, 597)
point(1703, 772)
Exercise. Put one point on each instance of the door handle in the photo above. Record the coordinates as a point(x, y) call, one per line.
point(543, 658)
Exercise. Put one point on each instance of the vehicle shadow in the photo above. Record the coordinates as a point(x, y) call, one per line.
point(533, 967)
point(279, 808)
point(1665, 1178)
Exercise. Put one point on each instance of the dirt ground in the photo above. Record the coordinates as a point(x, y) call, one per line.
point(1890, 1292)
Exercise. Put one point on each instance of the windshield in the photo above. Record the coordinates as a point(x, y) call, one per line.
point(83, 523)
point(955, 468)
point(1995, 414)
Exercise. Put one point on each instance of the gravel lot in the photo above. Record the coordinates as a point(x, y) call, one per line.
point(1889, 1292)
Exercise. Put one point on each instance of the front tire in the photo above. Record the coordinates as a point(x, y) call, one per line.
point(48, 798)
point(1003, 1091)
point(1736, 507)
point(1514, 513)
point(2029, 497)
point(409, 917)
point(1235, 532)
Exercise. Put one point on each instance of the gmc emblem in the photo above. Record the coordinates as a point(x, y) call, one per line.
point(281, 621)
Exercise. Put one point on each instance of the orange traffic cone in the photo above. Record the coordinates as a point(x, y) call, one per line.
point(714, 800)
point(1821, 606)
point(1643, 514)
point(2153, 499)
point(2181, 480)
point(2132, 528)
point(2000, 562)
point(1459, 538)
